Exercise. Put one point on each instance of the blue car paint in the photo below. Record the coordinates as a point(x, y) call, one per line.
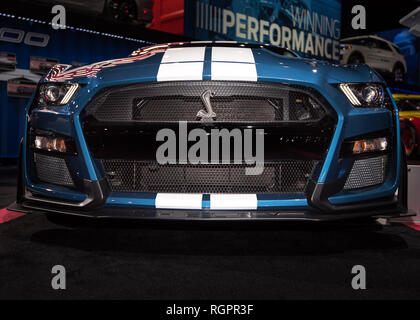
point(139, 200)
point(321, 76)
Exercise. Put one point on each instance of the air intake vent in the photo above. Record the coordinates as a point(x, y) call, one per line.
point(52, 170)
point(230, 102)
point(367, 173)
point(148, 176)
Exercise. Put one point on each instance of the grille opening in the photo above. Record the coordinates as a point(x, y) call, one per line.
point(231, 101)
point(120, 126)
point(292, 107)
point(148, 176)
point(131, 143)
point(52, 170)
point(368, 172)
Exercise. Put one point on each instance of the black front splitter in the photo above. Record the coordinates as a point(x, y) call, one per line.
point(389, 211)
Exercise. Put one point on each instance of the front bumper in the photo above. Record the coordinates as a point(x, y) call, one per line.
point(385, 208)
point(323, 210)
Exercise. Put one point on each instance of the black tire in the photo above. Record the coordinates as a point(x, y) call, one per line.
point(398, 73)
point(356, 58)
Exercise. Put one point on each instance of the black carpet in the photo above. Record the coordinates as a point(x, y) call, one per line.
point(201, 261)
point(8, 182)
point(198, 262)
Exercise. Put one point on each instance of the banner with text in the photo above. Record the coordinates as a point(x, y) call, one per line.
point(310, 27)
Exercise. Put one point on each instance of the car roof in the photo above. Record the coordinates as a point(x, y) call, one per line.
point(371, 36)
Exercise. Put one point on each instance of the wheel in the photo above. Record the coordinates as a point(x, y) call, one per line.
point(398, 73)
point(356, 59)
point(121, 10)
point(409, 139)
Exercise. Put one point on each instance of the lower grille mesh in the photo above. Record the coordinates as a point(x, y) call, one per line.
point(52, 170)
point(148, 176)
point(367, 173)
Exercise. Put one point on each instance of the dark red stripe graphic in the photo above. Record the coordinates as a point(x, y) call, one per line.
point(7, 215)
point(415, 226)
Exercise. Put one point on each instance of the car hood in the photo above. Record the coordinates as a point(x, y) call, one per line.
point(164, 63)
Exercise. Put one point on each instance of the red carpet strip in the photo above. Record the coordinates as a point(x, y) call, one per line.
point(415, 226)
point(6, 215)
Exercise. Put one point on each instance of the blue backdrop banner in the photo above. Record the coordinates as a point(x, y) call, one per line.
point(310, 27)
point(28, 48)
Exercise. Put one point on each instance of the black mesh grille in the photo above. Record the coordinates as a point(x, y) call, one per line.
point(147, 176)
point(368, 172)
point(231, 101)
point(121, 118)
point(52, 170)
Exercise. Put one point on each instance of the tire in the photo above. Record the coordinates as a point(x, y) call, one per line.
point(398, 73)
point(356, 58)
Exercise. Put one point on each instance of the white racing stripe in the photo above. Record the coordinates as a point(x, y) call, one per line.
point(180, 71)
point(178, 201)
point(182, 64)
point(202, 41)
point(183, 54)
point(233, 64)
point(233, 71)
point(233, 201)
point(232, 54)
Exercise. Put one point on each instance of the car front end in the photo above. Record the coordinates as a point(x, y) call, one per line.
point(332, 148)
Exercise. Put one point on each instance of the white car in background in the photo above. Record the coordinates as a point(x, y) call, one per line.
point(376, 52)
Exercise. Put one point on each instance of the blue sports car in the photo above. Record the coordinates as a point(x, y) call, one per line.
point(138, 137)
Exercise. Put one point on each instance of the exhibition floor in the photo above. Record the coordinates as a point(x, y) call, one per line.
point(196, 261)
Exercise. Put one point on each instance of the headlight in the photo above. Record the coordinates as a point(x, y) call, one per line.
point(362, 146)
point(369, 95)
point(52, 142)
point(56, 94)
point(369, 145)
